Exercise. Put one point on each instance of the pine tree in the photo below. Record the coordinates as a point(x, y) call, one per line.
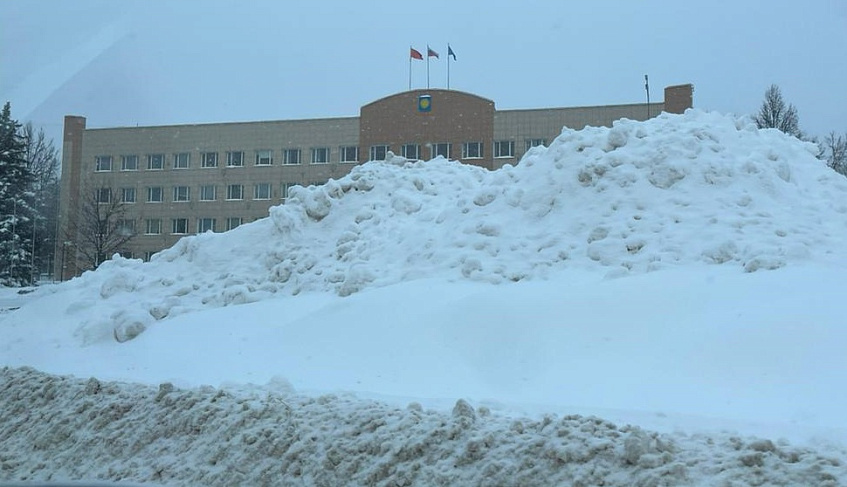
point(16, 200)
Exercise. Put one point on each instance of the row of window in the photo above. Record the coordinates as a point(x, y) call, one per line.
point(181, 194)
point(179, 226)
point(263, 157)
point(320, 155)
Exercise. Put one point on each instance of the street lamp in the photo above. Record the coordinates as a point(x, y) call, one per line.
point(65, 245)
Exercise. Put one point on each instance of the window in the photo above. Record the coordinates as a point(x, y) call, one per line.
point(209, 159)
point(182, 160)
point(180, 226)
point(235, 192)
point(205, 225)
point(129, 163)
point(284, 189)
point(264, 157)
point(291, 156)
point(233, 222)
point(128, 195)
point(411, 151)
point(472, 150)
point(148, 255)
point(504, 148)
point(262, 191)
point(182, 193)
point(208, 193)
point(234, 159)
point(349, 153)
point(104, 195)
point(154, 226)
point(320, 155)
point(154, 194)
point(125, 227)
point(126, 254)
point(530, 143)
point(442, 149)
point(103, 163)
point(155, 162)
point(378, 152)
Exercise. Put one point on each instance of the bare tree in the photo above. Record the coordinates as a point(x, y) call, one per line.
point(775, 114)
point(102, 227)
point(835, 150)
point(43, 162)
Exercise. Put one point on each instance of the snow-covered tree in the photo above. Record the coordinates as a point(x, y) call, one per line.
point(16, 200)
point(775, 114)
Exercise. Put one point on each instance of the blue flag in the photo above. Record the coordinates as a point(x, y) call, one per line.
point(450, 52)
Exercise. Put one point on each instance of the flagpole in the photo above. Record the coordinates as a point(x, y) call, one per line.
point(427, 66)
point(410, 67)
point(448, 65)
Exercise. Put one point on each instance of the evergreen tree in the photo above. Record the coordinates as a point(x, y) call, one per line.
point(16, 205)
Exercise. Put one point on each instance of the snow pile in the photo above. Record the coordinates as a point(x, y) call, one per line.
point(637, 197)
point(58, 428)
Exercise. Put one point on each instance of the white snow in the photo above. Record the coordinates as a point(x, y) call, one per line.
point(682, 275)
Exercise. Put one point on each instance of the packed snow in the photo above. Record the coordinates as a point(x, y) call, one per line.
point(433, 323)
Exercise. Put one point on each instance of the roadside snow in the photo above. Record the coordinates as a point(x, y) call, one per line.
point(63, 428)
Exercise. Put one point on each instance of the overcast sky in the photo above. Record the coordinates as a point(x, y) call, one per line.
point(167, 62)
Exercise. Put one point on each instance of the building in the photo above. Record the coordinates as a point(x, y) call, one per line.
point(178, 180)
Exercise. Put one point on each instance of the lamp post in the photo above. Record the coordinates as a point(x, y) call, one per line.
point(65, 245)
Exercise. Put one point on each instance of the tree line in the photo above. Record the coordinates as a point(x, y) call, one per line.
point(29, 201)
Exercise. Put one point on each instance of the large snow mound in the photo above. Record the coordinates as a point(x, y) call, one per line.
point(72, 429)
point(636, 197)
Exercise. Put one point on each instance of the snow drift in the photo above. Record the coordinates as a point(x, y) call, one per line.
point(621, 200)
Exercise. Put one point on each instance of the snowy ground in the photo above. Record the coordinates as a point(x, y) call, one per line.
point(683, 275)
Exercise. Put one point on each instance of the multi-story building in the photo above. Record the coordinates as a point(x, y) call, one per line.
point(177, 180)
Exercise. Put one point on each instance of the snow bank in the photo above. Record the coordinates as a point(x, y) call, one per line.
point(60, 428)
point(633, 198)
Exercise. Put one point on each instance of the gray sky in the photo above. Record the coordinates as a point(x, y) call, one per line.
point(170, 62)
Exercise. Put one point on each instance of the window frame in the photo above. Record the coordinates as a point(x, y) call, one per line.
point(104, 191)
point(530, 143)
point(404, 149)
point(208, 160)
point(174, 224)
point(177, 163)
point(204, 188)
point(267, 186)
point(374, 149)
point(229, 221)
point(232, 160)
point(151, 158)
point(316, 151)
point(229, 192)
point(150, 194)
point(259, 157)
point(466, 150)
point(498, 147)
point(342, 154)
point(124, 162)
point(149, 227)
point(178, 197)
point(289, 155)
point(102, 163)
point(435, 150)
point(128, 190)
point(201, 221)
